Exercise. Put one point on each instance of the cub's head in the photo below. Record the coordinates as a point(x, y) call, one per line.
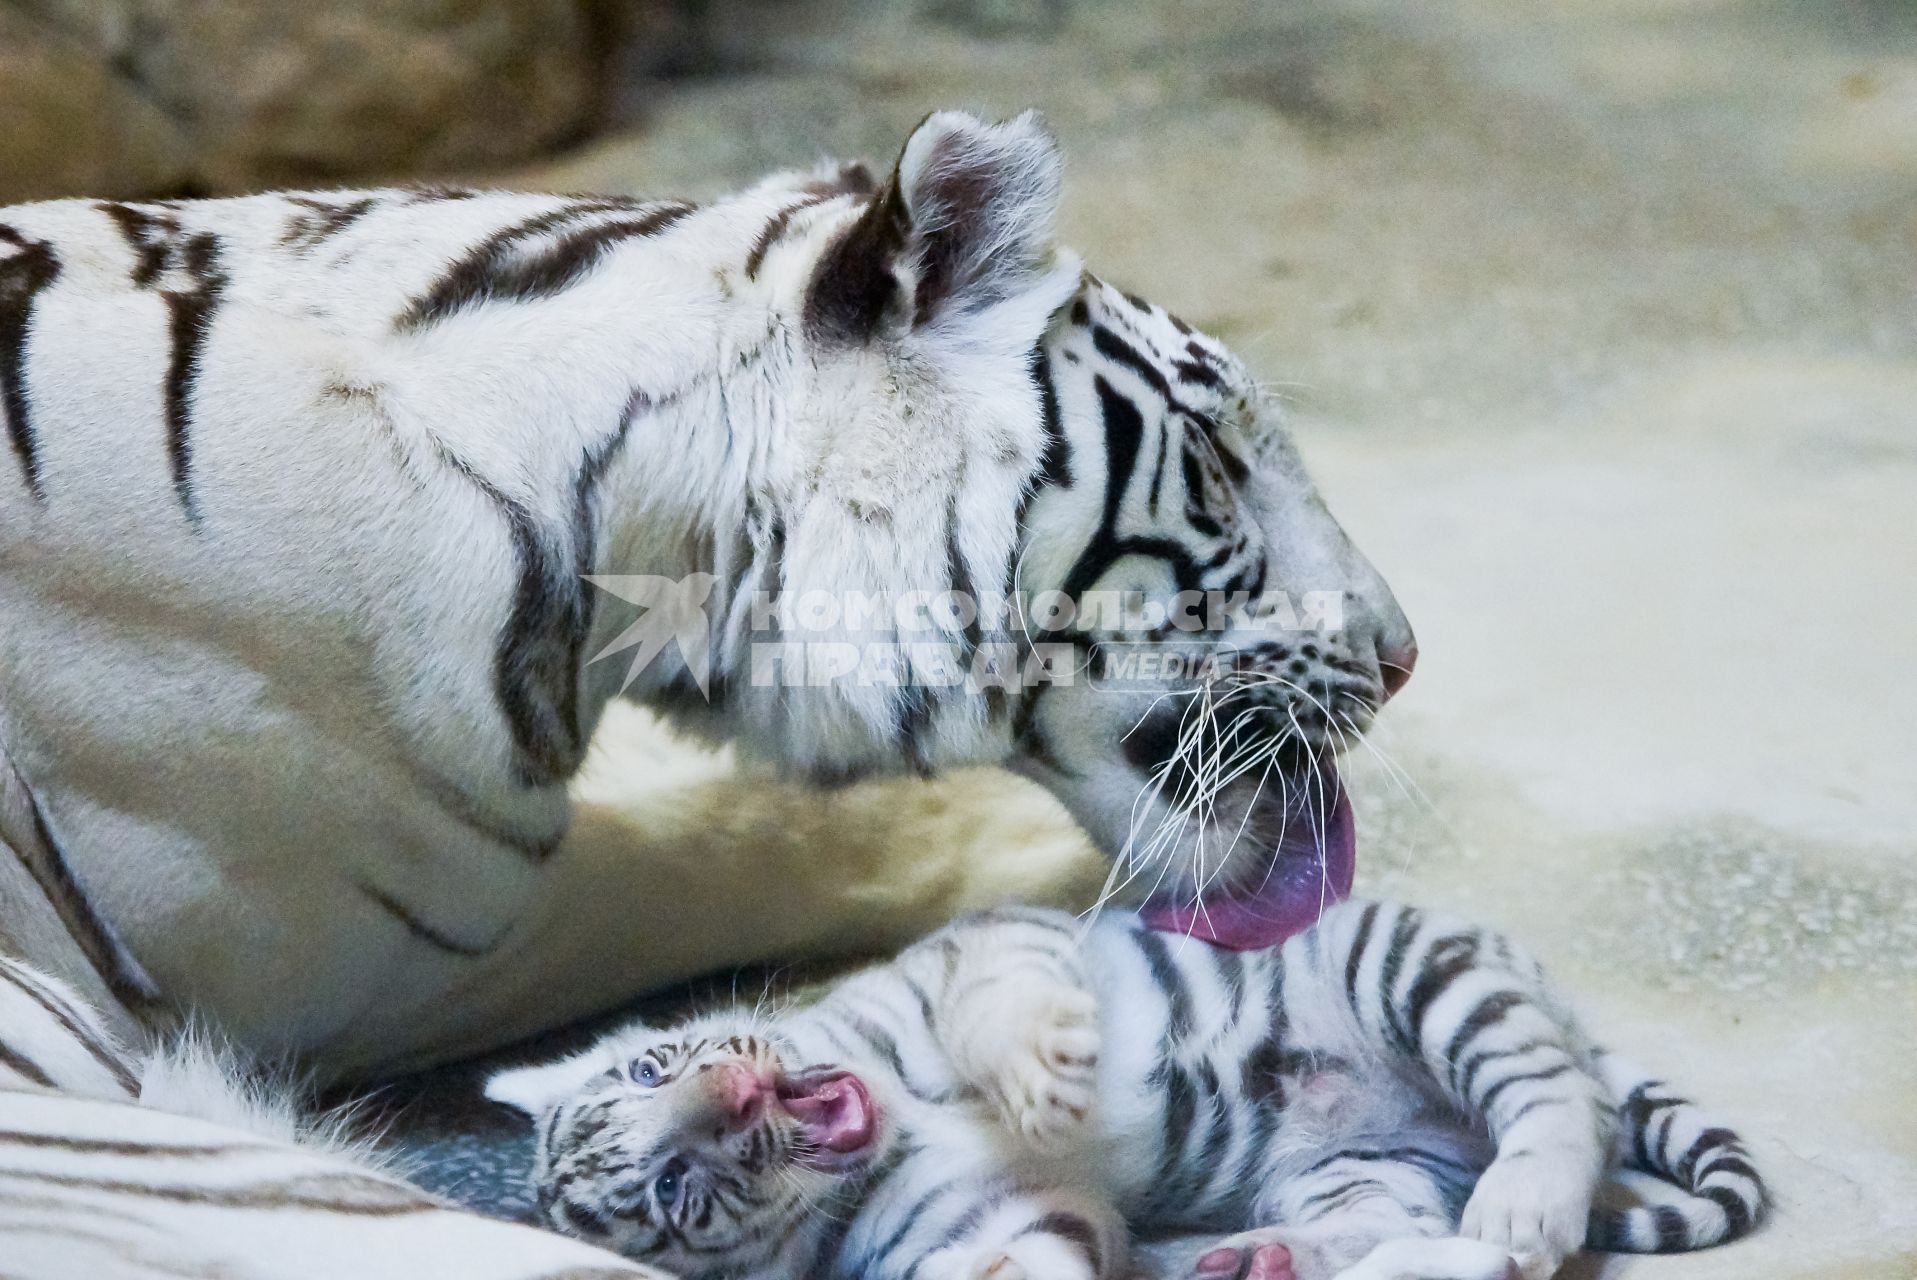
point(701, 1150)
point(1079, 532)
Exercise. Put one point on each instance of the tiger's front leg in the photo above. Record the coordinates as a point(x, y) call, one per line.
point(1012, 1009)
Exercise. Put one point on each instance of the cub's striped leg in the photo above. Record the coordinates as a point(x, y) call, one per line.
point(1707, 1189)
point(1478, 1015)
point(1007, 998)
point(1362, 1214)
point(1030, 1235)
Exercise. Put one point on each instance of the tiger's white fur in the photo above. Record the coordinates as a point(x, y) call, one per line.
point(138, 1163)
point(311, 586)
point(295, 501)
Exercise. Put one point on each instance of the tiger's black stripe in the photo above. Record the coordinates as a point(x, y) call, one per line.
point(776, 227)
point(46, 862)
point(126, 1146)
point(1491, 1095)
point(1490, 1011)
point(323, 219)
point(585, 554)
point(1445, 961)
point(24, 275)
point(104, 1054)
point(1464, 1073)
point(537, 656)
point(534, 654)
point(1404, 932)
point(161, 245)
point(423, 931)
point(1124, 435)
point(1325, 1201)
point(330, 1193)
point(1116, 349)
point(498, 270)
point(13, 1060)
point(1181, 1108)
point(1055, 464)
point(1178, 1004)
point(468, 812)
point(1162, 453)
point(1074, 1228)
point(1354, 958)
point(189, 322)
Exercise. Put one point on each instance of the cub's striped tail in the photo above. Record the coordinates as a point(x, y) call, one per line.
point(1706, 1190)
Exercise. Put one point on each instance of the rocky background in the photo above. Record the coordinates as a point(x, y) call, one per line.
point(167, 97)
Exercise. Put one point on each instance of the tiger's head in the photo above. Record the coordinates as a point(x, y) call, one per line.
point(975, 429)
point(1230, 640)
point(703, 1150)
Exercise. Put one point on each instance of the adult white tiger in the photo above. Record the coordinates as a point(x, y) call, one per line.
point(293, 676)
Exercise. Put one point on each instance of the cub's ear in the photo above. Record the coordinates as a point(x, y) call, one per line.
point(533, 1089)
point(963, 222)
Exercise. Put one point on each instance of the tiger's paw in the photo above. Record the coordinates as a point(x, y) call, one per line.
point(1046, 1075)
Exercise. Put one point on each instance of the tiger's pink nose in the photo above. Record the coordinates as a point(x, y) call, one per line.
point(1395, 664)
point(741, 1090)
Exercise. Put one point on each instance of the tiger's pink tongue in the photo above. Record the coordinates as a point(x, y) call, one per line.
point(833, 1109)
point(1311, 868)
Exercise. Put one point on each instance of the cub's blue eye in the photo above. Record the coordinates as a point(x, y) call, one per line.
point(644, 1071)
point(667, 1185)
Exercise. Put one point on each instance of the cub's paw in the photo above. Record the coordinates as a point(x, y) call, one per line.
point(1534, 1209)
point(1324, 1253)
point(1268, 1253)
point(1446, 1258)
point(1044, 1076)
point(1030, 1257)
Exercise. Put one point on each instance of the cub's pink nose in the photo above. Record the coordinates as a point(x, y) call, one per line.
point(741, 1090)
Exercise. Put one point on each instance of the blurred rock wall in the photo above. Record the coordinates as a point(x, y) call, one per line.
point(132, 97)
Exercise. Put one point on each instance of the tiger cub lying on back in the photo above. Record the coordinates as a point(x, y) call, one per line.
point(1387, 1095)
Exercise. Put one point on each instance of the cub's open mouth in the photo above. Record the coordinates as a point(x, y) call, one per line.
point(836, 1118)
point(1307, 853)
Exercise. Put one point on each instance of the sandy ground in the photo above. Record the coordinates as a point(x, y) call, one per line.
point(1600, 323)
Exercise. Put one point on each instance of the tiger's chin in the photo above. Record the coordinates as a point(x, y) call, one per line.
point(1302, 860)
point(836, 1121)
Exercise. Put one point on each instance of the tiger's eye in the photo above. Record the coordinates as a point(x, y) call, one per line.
point(644, 1071)
point(666, 1186)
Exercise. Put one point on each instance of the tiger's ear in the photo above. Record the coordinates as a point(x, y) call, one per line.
point(533, 1089)
point(963, 222)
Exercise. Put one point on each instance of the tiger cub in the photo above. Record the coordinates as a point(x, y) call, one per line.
point(1389, 1094)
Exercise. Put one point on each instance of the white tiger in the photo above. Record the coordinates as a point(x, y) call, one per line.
point(298, 497)
point(1389, 1093)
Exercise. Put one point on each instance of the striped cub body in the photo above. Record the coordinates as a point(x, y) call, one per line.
point(1389, 1093)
